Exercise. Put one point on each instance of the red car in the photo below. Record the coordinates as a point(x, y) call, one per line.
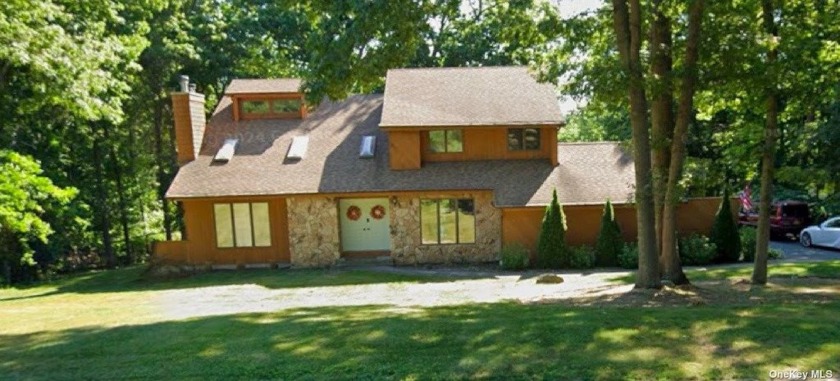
point(787, 217)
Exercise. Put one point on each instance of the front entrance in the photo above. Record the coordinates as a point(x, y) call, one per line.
point(364, 224)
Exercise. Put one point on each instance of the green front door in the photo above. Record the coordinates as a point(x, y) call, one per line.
point(361, 230)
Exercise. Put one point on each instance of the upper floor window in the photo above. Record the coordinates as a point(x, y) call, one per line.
point(523, 139)
point(446, 141)
point(270, 108)
point(242, 224)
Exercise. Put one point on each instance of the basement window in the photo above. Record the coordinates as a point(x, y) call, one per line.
point(242, 224)
point(447, 221)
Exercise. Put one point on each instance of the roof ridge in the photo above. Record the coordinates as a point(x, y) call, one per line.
point(458, 67)
point(601, 142)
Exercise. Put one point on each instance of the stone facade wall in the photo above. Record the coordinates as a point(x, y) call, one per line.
point(313, 231)
point(407, 249)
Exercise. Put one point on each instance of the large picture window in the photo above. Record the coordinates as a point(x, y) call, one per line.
point(523, 139)
point(446, 141)
point(242, 224)
point(447, 221)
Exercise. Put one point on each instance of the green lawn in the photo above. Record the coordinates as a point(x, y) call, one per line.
point(823, 269)
point(86, 328)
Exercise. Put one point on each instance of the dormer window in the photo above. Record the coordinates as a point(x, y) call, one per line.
point(266, 99)
point(270, 108)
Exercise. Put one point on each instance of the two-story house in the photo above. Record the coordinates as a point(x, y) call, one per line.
point(447, 166)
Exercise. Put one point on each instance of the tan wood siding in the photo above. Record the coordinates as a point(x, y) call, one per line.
point(199, 246)
point(583, 222)
point(490, 143)
point(404, 149)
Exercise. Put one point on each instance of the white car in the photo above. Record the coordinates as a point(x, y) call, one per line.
point(826, 234)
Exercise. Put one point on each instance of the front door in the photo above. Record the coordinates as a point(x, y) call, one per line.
point(364, 224)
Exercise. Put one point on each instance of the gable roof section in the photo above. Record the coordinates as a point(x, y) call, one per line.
point(478, 96)
point(588, 173)
point(263, 86)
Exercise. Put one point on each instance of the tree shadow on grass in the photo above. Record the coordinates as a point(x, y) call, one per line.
point(491, 341)
point(133, 279)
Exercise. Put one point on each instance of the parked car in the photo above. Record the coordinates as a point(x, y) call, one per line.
point(786, 217)
point(826, 234)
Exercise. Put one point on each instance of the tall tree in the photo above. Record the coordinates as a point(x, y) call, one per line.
point(627, 21)
point(671, 267)
point(759, 275)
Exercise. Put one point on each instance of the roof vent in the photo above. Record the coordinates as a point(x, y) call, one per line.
point(298, 148)
point(368, 148)
point(226, 152)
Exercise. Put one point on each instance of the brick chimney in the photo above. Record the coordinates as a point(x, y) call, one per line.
point(188, 114)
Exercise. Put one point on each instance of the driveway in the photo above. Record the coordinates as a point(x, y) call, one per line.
point(793, 252)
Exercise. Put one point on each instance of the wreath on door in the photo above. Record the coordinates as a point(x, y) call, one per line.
point(377, 212)
point(353, 212)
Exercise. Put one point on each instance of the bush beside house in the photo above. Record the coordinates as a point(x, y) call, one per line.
point(582, 257)
point(514, 257)
point(609, 244)
point(725, 233)
point(697, 250)
point(629, 257)
point(748, 237)
point(552, 251)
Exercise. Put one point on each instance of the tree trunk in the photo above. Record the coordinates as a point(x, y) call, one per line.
point(661, 113)
point(628, 26)
point(672, 268)
point(162, 164)
point(102, 201)
point(126, 230)
point(7, 272)
point(762, 243)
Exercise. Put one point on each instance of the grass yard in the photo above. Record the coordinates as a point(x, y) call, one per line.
point(822, 269)
point(105, 326)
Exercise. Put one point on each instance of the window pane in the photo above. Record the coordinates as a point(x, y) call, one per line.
point(466, 221)
point(454, 143)
point(286, 105)
point(437, 141)
point(448, 227)
point(224, 227)
point(514, 139)
point(262, 226)
point(428, 220)
point(532, 139)
point(242, 224)
point(255, 107)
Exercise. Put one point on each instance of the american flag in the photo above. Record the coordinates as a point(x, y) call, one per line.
point(745, 195)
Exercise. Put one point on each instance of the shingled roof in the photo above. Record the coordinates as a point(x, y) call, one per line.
point(263, 86)
point(481, 96)
point(588, 173)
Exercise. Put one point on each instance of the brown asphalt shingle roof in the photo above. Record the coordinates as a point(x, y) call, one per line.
point(588, 173)
point(481, 96)
point(263, 86)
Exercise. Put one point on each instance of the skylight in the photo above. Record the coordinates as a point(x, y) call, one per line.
point(298, 148)
point(226, 152)
point(368, 147)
